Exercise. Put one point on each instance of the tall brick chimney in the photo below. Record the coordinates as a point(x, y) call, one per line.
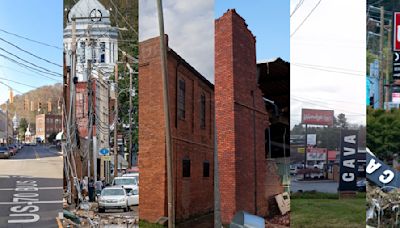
point(241, 119)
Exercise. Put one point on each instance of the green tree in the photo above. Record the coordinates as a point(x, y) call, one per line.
point(23, 125)
point(383, 133)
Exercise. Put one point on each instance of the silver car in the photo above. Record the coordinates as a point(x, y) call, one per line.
point(113, 198)
point(4, 153)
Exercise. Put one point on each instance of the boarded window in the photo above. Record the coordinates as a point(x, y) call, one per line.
point(186, 168)
point(206, 169)
point(203, 111)
point(181, 99)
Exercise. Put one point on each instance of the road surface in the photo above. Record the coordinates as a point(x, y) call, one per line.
point(31, 188)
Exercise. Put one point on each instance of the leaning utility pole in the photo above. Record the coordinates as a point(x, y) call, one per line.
point(163, 50)
point(381, 75)
point(130, 116)
point(7, 122)
point(116, 123)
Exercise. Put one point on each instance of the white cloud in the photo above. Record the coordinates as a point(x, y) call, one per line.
point(190, 28)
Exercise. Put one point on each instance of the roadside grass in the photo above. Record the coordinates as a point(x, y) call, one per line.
point(326, 210)
point(144, 224)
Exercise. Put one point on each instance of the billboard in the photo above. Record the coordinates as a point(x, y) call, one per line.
point(311, 139)
point(316, 154)
point(396, 31)
point(317, 117)
point(348, 160)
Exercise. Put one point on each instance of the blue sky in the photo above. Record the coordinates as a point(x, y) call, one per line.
point(268, 20)
point(38, 20)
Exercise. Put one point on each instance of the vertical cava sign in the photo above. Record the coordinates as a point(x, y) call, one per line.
point(348, 160)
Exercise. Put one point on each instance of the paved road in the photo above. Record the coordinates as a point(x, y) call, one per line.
point(31, 188)
point(319, 186)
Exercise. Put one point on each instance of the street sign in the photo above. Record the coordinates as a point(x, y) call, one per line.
point(396, 65)
point(348, 160)
point(396, 31)
point(107, 158)
point(300, 150)
point(104, 152)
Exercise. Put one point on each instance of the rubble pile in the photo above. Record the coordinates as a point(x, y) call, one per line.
point(383, 206)
point(278, 221)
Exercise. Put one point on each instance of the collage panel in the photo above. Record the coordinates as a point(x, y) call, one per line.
point(100, 113)
point(327, 113)
point(30, 113)
point(213, 113)
point(382, 63)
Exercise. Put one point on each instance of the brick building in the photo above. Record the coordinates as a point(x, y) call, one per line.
point(247, 178)
point(47, 124)
point(191, 107)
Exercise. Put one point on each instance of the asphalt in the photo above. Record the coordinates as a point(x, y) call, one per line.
point(326, 186)
point(31, 188)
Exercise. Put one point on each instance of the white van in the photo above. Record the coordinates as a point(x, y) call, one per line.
point(135, 175)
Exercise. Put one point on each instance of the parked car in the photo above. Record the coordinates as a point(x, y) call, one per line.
point(133, 195)
point(125, 182)
point(362, 185)
point(114, 198)
point(135, 175)
point(12, 150)
point(4, 153)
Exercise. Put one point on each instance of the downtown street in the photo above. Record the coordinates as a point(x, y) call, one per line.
point(31, 187)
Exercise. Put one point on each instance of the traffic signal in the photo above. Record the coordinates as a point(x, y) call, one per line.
point(39, 106)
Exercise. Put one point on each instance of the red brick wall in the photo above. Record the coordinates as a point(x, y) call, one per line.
point(194, 194)
point(240, 117)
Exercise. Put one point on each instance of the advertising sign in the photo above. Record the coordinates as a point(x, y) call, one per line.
point(312, 139)
point(396, 97)
point(348, 160)
point(104, 152)
point(380, 173)
point(316, 154)
point(317, 117)
point(396, 31)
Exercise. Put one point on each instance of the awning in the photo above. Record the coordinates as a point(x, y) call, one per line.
point(59, 136)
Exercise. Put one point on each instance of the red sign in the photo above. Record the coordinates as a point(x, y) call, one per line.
point(317, 117)
point(396, 31)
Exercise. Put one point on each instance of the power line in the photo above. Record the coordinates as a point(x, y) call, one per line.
point(21, 49)
point(130, 26)
point(297, 7)
point(20, 83)
point(331, 71)
point(305, 18)
point(329, 67)
point(46, 71)
point(34, 41)
point(25, 73)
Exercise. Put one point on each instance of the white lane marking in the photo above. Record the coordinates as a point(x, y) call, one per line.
point(40, 188)
point(30, 203)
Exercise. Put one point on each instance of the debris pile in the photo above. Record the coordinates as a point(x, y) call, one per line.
point(383, 206)
point(278, 221)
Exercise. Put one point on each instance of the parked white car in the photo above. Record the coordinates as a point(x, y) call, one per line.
point(136, 175)
point(133, 195)
point(115, 198)
point(125, 182)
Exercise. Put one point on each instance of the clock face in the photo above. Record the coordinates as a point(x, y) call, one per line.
point(95, 15)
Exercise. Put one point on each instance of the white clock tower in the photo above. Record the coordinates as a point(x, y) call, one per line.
point(96, 39)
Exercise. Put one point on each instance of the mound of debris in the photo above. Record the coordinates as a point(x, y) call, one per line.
point(383, 206)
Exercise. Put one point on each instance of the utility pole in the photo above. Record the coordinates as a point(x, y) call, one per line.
point(163, 50)
point(381, 75)
point(130, 116)
point(7, 122)
point(116, 124)
point(388, 59)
